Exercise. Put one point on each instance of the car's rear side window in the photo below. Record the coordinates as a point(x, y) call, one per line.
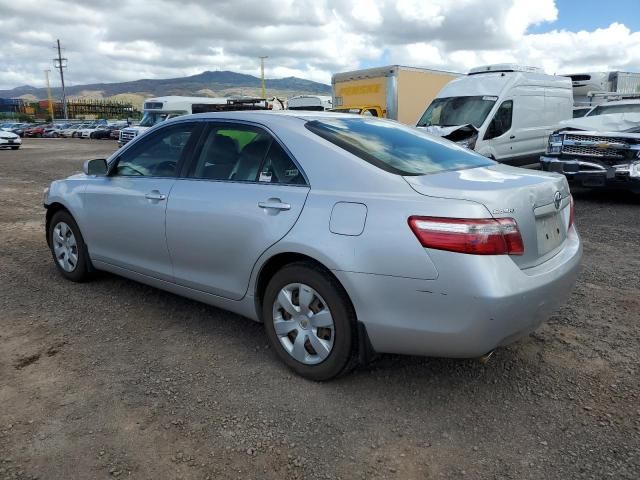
point(394, 147)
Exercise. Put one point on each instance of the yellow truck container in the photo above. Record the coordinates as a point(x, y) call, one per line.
point(400, 93)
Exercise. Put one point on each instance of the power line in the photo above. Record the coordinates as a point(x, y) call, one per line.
point(61, 63)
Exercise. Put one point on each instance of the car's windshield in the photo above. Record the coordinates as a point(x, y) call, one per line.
point(394, 147)
point(149, 119)
point(452, 111)
point(607, 109)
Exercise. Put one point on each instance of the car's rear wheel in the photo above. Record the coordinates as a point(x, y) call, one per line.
point(68, 247)
point(310, 322)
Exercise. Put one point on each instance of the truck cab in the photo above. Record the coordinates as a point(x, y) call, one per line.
point(364, 110)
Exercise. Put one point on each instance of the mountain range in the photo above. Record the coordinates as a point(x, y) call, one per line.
point(213, 84)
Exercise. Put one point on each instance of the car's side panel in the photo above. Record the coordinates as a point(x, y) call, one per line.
point(227, 230)
point(386, 247)
point(68, 193)
point(124, 227)
point(244, 307)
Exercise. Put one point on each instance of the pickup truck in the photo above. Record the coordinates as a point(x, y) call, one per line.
point(597, 158)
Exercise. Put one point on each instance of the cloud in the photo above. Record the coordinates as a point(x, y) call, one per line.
point(131, 39)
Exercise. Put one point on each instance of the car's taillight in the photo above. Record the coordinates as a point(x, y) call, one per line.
point(571, 210)
point(486, 236)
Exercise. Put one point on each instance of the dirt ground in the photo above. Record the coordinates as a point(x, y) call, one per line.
point(115, 379)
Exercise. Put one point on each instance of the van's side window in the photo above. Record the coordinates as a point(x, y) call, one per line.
point(501, 122)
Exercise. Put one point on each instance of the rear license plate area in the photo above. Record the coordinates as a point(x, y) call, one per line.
point(551, 232)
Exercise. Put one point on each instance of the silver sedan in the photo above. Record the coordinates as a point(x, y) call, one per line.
point(344, 235)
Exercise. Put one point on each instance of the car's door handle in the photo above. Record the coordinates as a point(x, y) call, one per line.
point(155, 195)
point(512, 137)
point(275, 204)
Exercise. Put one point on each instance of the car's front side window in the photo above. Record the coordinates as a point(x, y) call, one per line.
point(158, 154)
point(501, 122)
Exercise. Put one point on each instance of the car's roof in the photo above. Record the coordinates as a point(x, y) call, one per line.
point(266, 115)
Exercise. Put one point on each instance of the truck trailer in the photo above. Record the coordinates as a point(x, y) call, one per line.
point(591, 88)
point(395, 92)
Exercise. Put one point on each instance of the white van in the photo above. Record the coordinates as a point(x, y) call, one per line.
point(318, 103)
point(505, 112)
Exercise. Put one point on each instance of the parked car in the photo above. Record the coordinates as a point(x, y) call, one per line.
point(88, 131)
point(78, 132)
point(504, 112)
point(36, 131)
point(73, 130)
point(115, 133)
point(343, 234)
point(55, 130)
point(17, 128)
point(9, 140)
point(103, 132)
point(597, 151)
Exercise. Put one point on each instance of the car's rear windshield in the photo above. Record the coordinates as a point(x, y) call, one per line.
point(394, 147)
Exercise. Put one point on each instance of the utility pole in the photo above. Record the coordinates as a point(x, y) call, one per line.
point(60, 64)
point(264, 93)
point(51, 112)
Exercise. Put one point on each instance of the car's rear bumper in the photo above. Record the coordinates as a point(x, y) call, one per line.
point(580, 171)
point(476, 305)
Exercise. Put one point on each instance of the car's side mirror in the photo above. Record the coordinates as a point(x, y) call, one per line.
point(97, 166)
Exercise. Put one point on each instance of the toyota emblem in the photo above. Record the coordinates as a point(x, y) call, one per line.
point(557, 200)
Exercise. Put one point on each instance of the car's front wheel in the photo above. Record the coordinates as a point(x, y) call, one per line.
point(68, 248)
point(310, 322)
point(15, 148)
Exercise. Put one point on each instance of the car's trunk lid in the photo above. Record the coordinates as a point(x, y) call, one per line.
point(538, 201)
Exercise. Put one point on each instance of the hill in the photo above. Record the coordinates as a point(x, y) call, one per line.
point(219, 83)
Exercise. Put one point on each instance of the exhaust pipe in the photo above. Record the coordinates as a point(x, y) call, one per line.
point(486, 357)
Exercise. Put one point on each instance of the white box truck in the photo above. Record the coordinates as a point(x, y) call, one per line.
point(505, 112)
point(395, 92)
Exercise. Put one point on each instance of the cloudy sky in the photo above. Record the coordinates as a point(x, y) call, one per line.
point(115, 40)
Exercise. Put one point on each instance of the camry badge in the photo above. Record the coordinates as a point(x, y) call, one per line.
point(557, 200)
point(502, 211)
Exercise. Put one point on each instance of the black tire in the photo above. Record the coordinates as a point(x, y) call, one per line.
point(343, 356)
point(82, 270)
point(15, 148)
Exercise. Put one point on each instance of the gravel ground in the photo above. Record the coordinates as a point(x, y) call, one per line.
point(115, 379)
